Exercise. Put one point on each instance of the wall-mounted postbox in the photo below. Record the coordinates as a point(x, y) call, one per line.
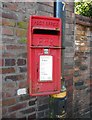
point(44, 55)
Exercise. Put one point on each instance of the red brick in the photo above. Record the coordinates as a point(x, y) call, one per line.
point(8, 54)
point(8, 22)
point(7, 31)
point(8, 94)
point(9, 15)
point(21, 62)
point(17, 107)
point(4, 110)
point(15, 77)
point(10, 62)
point(0, 102)
point(23, 69)
point(14, 47)
point(32, 116)
point(10, 6)
point(1, 62)
point(2, 47)
point(8, 70)
point(0, 71)
point(0, 21)
point(8, 40)
point(9, 85)
point(12, 115)
point(23, 84)
point(69, 82)
point(8, 102)
point(29, 110)
point(70, 77)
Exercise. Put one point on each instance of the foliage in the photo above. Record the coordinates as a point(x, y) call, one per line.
point(84, 7)
point(23, 40)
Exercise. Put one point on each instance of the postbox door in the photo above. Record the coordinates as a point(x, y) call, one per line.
point(44, 56)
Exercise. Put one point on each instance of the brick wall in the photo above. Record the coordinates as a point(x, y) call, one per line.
point(69, 56)
point(14, 59)
point(82, 68)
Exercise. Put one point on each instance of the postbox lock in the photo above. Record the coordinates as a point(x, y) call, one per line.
point(46, 51)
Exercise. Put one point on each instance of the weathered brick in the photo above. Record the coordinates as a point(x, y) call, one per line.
point(14, 77)
point(66, 66)
point(27, 111)
point(32, 102)
point(21, 62)
point(21, 32)
point(23, 84)
point(8, 102)
point(7, 31)
point(8, 70)
point(9, 15)
point(10, 62)
point(23, 55)
point(48, 3)
point(23, 69)
point(8, 93)
point(0, 98)
point(24, 97)
point(32, 116)
point(12, 115)
point(4, 110)
point(2, 47)
point(8, 39)
point(9, 85)
point(8, 22)
point(8, 55)
point(42, 107)
point(46, 113)
point(68, 83)
point(70, 77)
point(41, 7)
point(1, 62)
point(76, 73)
point(83, 67)
point(10, 6)
point(42, 13)
point(70, 91)
point(43, 100)
point(78, 62)
point(68, 72)
point(40, 114)
point(20, 115)
point(15, 47)
point(17, 107)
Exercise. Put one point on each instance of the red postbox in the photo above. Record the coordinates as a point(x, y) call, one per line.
point(44, 55)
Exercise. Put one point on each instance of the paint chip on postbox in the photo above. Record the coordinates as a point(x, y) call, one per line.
point(44, 55)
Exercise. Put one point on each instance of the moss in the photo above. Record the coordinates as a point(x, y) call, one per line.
point(77, 73)
point(22, 24)
point(23, 40)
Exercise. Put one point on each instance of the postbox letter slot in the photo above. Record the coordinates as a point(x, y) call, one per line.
point(46, 32)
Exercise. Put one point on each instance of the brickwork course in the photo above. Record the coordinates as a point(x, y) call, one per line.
point(13, 62)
